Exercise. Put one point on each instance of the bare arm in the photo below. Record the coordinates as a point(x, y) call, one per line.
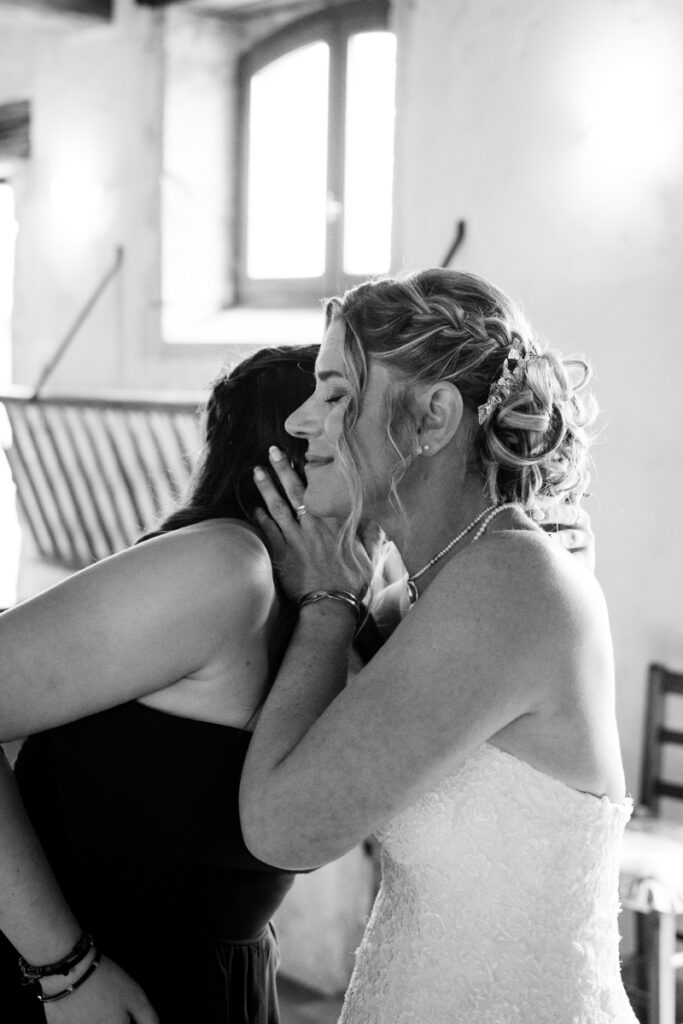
point(315, 784)
point(326, 766)
point(34, 916)
point(126, 627)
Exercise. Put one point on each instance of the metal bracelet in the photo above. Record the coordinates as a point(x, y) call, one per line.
point(345, 596)
point(33, 972)
point(76, 984)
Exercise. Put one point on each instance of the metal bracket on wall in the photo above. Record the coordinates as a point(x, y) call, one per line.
point(458, 239)
point(87, 309)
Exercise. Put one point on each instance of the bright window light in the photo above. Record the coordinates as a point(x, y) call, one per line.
point(368, 175)
point(287, 166)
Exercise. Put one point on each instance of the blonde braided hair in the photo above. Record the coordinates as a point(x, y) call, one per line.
point(439, 324)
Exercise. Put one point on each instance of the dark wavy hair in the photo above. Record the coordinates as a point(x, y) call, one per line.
point(245, 414)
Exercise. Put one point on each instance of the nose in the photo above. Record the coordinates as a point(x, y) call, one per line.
point(300, 423)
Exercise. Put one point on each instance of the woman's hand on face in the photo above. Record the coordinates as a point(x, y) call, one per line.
point(109, 996)
point(570, 527)
point(304, 548)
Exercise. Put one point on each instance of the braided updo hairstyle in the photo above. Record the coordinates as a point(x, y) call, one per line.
point(439, 324)
point(245, 414)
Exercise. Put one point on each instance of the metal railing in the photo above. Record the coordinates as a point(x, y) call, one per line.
point(93, 473)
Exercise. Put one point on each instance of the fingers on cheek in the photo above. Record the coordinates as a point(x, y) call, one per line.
point(261, 478)
point(267, 488)
point(289, 480)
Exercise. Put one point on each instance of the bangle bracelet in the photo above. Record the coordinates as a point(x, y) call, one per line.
point(345, 596)
point(76, 984)
point(31, 972)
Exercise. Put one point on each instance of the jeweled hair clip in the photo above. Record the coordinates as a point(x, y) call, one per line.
point(510, 380)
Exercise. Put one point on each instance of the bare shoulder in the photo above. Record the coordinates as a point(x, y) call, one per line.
point(515, 585)
point(198, 576)
point(217, 555)
point(220, 541)
point(525, 563)
point(135, 623)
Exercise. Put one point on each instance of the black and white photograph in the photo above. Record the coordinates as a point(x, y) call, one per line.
point(341, 575)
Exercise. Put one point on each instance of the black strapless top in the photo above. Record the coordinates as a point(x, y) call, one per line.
point(138, 812)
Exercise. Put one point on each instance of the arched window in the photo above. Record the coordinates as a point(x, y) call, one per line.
point(315, 192)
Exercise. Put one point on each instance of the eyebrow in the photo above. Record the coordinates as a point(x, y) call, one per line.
point(326, 374)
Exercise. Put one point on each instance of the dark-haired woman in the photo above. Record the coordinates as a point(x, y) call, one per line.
point(480, 743)
point(137, 681)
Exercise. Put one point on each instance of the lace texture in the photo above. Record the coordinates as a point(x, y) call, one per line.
point(498, 905)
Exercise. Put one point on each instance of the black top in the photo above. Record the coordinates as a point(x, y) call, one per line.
point(138, 812)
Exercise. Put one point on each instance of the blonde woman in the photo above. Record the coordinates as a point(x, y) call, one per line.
point(480, 744)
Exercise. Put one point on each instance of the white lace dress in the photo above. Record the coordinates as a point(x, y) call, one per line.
point(498, 905)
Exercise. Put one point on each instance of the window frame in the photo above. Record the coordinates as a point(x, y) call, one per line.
point(333, 26)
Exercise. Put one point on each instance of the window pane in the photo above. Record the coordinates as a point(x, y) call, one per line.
point(287, 176)
point(371, 73)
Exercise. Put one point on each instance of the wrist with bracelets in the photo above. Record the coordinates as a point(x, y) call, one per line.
point(63, 993)
point(32, 974)
point(342, 596)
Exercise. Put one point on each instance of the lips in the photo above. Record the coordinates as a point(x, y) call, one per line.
point(314, 462)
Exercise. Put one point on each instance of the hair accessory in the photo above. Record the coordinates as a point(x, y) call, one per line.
point(509, 381)
point(74, 985)
point(345, 596)
point(31, 972)
point(300, 511)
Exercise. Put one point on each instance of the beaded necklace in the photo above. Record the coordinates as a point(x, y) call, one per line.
point(484, 518)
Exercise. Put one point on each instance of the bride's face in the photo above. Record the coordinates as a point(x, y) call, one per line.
point(320, 421)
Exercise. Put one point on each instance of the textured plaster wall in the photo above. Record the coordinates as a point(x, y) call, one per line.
point(554, 128)
point(91, 185)
point(133, 146)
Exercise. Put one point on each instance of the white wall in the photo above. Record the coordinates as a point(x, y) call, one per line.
point(90, 185)
point(555, 129)
point(133, 139)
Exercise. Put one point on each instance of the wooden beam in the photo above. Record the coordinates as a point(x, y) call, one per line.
point(99, 9)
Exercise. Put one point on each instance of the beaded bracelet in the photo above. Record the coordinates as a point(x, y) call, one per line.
point(31, 972)
point(74, 985)
point(345, 596)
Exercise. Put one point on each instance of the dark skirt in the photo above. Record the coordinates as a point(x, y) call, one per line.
point(225, 983)
point(138, 813)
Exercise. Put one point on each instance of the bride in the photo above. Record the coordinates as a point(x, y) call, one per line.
point(480, 744)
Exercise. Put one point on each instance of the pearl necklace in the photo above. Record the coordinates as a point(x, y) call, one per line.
point(487, 516)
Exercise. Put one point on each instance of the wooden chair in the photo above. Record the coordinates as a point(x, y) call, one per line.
point(94, 472)
point(651, 879)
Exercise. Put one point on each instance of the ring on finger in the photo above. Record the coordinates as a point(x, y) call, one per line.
point(300, 511)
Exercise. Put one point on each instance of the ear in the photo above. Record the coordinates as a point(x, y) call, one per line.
point(441, 413)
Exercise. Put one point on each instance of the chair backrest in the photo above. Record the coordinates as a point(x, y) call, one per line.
point(661, 682)
point(93, 473)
